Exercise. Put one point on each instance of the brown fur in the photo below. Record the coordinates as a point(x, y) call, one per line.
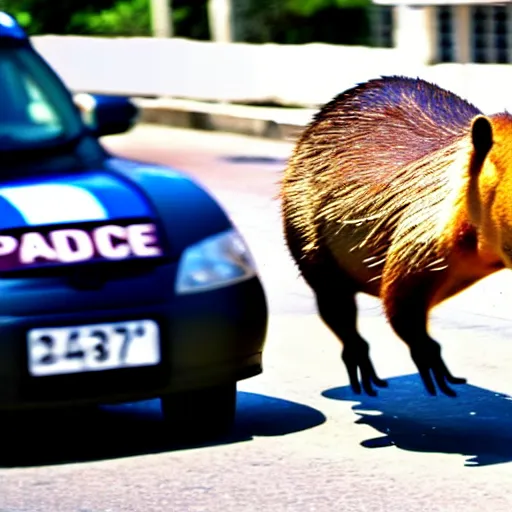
point(399, 189)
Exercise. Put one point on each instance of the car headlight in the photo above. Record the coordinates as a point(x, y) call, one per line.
point(216, 261)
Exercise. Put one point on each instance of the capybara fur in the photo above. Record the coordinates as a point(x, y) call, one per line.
point(402, 190)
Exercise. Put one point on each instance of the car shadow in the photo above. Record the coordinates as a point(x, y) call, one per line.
point(108, 432)
point(476, 423)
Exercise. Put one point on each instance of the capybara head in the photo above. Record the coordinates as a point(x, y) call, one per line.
point(490, 184)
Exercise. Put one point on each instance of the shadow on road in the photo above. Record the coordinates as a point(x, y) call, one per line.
point(477, 423)
point(108, 432)
point(253, 159)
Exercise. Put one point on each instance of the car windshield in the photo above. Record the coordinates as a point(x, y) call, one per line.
point(35, 109)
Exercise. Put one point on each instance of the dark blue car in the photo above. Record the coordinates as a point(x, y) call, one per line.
point(119, 280)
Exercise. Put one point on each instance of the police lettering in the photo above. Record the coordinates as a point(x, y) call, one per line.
point(111, 242)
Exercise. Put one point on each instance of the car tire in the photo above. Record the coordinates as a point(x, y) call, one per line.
point(200, 415)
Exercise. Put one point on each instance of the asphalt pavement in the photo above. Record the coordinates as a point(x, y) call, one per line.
point(302, 441)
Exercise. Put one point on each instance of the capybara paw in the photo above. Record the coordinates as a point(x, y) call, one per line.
point(360, 370)
point(429, 362)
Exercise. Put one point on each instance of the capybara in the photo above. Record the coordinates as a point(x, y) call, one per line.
point(401, 190)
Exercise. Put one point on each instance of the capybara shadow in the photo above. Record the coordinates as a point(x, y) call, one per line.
point(476, 425)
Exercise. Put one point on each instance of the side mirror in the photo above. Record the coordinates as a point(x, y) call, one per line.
point(107, 115)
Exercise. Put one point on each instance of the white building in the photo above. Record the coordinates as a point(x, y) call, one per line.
point(461, 31)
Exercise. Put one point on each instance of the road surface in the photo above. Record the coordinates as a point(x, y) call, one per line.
point(303, 442)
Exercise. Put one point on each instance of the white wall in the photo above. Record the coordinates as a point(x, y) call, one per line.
point(306, 75)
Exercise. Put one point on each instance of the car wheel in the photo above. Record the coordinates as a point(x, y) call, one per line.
point(203, 414)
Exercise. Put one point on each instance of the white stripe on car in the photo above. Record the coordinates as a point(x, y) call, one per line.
point(53, 203)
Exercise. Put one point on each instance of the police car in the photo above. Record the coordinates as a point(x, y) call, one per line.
point(119, 280)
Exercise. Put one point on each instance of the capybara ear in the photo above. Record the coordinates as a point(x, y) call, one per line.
point(481, 135)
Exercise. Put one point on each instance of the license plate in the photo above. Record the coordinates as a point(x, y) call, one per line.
point(85, 348)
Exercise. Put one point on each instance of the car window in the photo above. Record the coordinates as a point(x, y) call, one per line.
point(35, 109)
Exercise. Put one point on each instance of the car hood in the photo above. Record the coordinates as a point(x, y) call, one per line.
point(75, 198)
point(187, 210)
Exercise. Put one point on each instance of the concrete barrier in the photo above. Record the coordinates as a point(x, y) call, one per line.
point(213, 74)
point(269, 122)
point(302, 75)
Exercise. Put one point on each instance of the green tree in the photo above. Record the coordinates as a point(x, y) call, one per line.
point(50, 17)
point(256, 21)
point(104, 17)
point(132, 18)
point(124, 18)
point(302, 21)
point(310, 7)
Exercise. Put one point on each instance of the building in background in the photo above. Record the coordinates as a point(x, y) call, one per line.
point(435, 31)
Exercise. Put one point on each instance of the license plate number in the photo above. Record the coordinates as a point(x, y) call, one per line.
point(96, 347)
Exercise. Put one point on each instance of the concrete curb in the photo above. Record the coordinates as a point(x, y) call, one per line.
point(268, 122)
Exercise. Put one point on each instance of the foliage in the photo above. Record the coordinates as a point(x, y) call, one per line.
point(124, 18)
point(255, 21)
point(310, 7)
point(302, 21)
point(37, 17)
point(104, 17)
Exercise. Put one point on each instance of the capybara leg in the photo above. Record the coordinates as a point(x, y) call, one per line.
point(408, 317)
point(337, 307)
point(335, 296)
